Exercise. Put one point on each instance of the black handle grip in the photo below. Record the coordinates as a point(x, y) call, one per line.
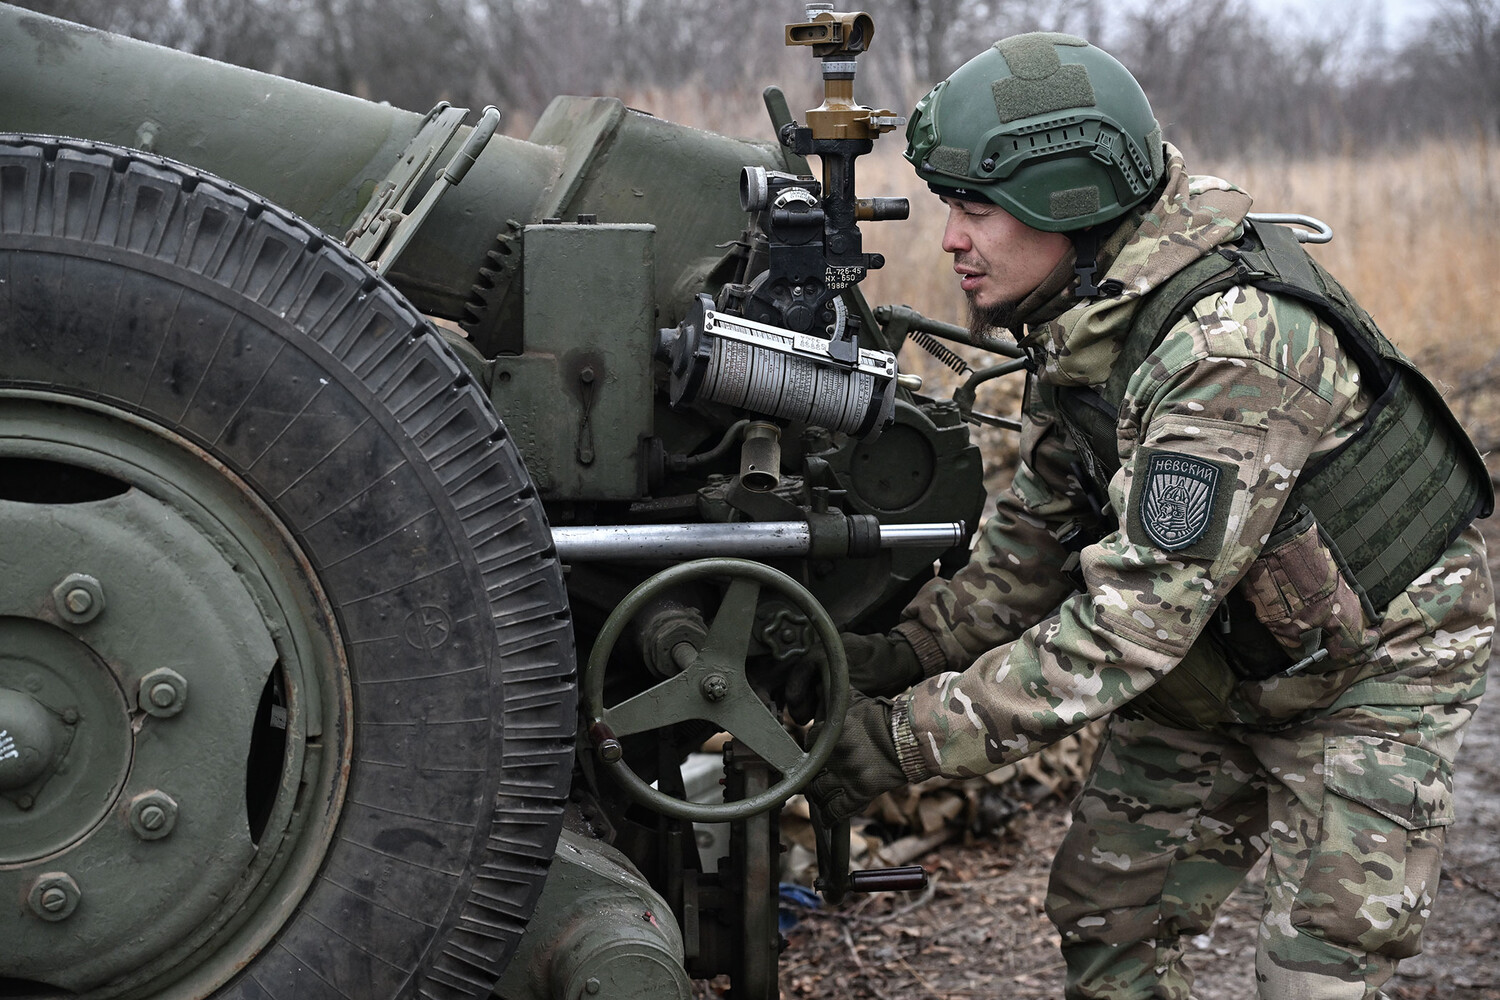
point(908, 878)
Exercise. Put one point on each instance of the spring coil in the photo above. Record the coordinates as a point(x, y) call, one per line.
point(938, 350)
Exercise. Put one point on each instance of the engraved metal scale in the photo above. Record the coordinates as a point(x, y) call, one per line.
point(781, 373)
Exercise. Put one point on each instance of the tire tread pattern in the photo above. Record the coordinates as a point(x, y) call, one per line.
point(134, 213)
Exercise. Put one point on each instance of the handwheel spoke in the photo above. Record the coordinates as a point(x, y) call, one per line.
point(714, 687)
point(729, 636)
point(753, 725)
point(672, 701)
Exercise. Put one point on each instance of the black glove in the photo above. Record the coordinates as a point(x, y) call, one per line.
point(879, 665)
point(863, 763)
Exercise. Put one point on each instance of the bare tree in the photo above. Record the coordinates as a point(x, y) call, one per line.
point(1219, 74)
point(1466, 35)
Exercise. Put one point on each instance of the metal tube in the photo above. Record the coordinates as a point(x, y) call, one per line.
point(760, 457)
point(682, 541)
point(751, 538)
point(918, 536)
point(1322, 232)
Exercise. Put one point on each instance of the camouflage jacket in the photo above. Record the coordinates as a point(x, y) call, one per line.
point(1246, 390)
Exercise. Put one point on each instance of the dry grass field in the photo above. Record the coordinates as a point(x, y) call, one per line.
point(1416, 240)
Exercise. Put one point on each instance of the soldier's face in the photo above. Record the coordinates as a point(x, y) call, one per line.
point(999, 259)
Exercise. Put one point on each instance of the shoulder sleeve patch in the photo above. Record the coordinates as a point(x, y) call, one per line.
point(1178, 501)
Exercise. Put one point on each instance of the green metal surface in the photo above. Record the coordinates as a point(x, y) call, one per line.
point(629, 167)
point(924, 467)
point(269, 134)
point(142, 623)
point(322, 154)
point(579, 400)
point(600, 929)
point(713, 686)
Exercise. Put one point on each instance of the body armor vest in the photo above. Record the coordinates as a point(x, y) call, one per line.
point(1388, 501)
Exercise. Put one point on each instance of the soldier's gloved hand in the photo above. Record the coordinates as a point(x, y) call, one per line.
point(879, 665)
point(863, 763)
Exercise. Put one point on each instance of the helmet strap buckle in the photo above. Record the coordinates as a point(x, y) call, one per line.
point(1086, 262)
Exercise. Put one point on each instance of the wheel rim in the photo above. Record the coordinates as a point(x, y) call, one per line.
point(166, 654)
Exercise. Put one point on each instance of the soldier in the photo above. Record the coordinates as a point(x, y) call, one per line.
point(1240, 529)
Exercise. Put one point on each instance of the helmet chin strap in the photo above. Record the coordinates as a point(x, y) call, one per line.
point(1086, 263)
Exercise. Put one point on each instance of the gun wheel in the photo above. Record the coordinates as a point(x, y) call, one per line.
point(286, 676)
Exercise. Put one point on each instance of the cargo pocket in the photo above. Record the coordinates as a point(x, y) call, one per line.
point(1373, 874)
point(1299, 594)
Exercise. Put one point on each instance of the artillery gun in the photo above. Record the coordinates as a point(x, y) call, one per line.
point(330, 431)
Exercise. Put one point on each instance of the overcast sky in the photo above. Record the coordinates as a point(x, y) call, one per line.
point(1398, 15)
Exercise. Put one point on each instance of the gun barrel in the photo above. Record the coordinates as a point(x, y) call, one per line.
point(322, 154)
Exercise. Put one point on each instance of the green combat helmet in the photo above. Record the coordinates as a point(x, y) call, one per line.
point(1050, 128)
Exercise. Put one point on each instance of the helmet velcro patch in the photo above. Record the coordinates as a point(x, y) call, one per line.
point(1033, 56)
point(1039, 83)
point(1066, 90)
point(1073, 202)
point(950, 160)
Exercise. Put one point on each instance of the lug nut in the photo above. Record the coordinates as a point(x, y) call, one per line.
point(54, 896)
point(163, 693)
point(79, 598)
point(153, 814)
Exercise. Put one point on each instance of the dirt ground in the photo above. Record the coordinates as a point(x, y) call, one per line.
point(979, 929)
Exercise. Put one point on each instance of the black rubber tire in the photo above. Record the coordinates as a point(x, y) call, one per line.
point(158, 290)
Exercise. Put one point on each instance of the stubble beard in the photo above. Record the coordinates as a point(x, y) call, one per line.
point(985, 319)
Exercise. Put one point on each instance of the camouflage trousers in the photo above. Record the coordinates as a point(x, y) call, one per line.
point(1352, 807)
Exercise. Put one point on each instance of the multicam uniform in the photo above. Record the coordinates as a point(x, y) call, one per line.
point(1342, 770)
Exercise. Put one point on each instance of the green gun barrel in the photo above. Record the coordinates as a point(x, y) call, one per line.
point(322, 154)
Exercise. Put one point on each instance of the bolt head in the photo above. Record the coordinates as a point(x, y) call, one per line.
point(79, 598)
point(163, 693)
point(714, 687)
point(54, 896)
point(153, 814)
